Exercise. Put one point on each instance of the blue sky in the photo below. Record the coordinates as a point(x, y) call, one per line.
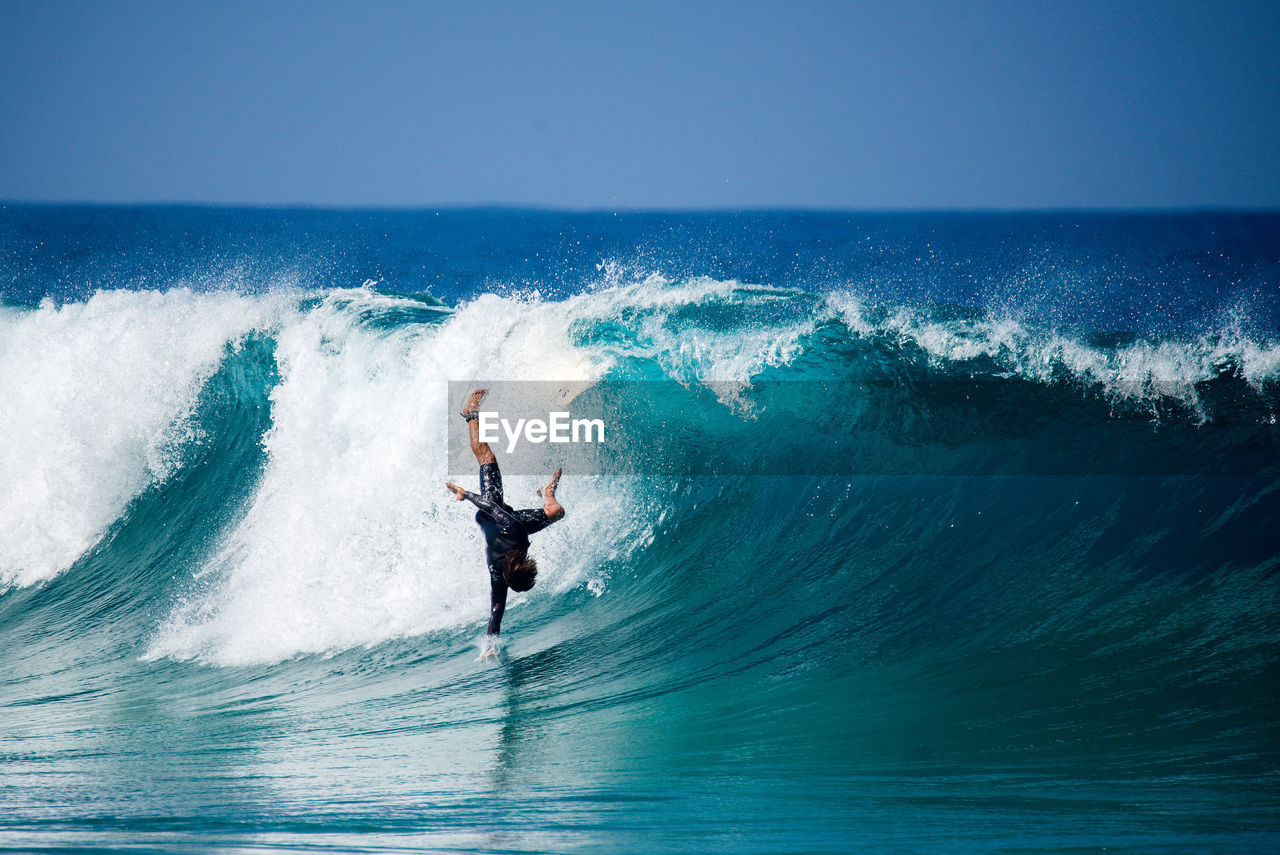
point(880, 105)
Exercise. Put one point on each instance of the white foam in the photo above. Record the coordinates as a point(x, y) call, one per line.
point(1142, 371)
point(724, 361)
point(350, 538)
point(95, 400)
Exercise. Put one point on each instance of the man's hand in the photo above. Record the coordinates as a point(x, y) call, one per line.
point(458, 493)
point(549, 491)
point(554, 510)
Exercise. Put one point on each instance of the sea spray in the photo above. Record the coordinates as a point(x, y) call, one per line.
point(97, 404)
point(990, 555)
point(350, 538)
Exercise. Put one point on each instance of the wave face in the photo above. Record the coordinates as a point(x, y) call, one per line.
point(946, 572)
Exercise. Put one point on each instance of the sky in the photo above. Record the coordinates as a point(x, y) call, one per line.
point(602, 105)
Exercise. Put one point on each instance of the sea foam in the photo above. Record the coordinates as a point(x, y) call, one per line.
point(1144, 370)
point(350, 538)
point(97, 398)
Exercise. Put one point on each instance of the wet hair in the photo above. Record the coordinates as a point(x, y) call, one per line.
point(519, 570)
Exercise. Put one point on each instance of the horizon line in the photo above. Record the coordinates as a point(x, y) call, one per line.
point(454, 207)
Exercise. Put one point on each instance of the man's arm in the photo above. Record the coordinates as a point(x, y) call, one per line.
point(535, 520)
point(550, 506)
point(497, 603)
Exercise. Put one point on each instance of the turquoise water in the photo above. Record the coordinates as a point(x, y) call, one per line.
point(970, 545)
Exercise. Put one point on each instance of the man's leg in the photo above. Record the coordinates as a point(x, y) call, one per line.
point(482, 451)
point(490, 477)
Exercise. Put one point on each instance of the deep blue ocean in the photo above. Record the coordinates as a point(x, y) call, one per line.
point(984, 555)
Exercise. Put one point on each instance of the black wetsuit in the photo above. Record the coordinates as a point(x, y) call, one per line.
point(504, 530)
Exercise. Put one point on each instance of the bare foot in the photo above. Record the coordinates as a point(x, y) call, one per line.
point(473, 402)
point(458, 493)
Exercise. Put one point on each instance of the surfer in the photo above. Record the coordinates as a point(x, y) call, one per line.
point(506, 531)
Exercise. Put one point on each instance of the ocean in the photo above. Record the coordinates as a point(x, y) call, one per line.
point(935, 532)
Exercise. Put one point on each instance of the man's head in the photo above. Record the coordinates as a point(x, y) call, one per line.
point(519, 570)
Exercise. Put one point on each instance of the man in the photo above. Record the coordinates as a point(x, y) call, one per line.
point(506, 532)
